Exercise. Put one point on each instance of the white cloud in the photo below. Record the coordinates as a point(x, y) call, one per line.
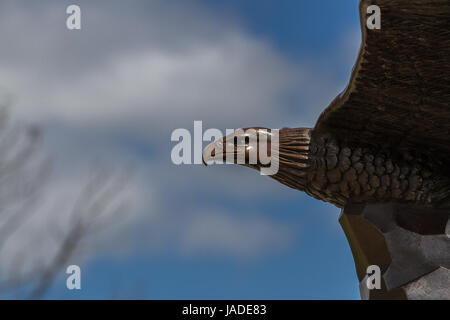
point(135, 75)
point(213, 233)
point(150, 73)
point(239, 78)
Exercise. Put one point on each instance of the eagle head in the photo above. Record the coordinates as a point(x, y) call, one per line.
point(281, 154)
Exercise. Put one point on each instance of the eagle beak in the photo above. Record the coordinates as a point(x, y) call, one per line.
point(205, 160)
point(209, 153)
point(216, 152)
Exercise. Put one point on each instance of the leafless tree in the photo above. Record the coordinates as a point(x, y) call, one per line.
point(24, 171)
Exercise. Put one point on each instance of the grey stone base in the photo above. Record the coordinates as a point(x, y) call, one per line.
point(411, 246)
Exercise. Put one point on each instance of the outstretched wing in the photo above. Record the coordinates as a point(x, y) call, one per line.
point(399, 91)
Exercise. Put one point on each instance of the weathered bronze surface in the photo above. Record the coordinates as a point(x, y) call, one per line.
point(384, 143)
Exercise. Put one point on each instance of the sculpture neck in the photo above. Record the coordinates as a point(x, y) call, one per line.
point(293, 157)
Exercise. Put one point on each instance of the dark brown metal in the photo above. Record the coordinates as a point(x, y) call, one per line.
point(399, 91)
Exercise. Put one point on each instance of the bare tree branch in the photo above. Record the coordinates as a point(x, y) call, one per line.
point(23, 174)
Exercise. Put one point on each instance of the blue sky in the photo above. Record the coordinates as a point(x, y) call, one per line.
point(116, 90)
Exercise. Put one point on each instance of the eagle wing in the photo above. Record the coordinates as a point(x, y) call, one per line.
point(399, 89)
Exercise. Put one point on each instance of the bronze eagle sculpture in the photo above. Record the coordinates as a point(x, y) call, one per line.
point(386, 137)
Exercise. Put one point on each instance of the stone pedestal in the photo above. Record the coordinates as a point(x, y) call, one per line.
point(411, 246)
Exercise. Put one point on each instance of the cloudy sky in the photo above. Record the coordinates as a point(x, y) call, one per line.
point(114, 91)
